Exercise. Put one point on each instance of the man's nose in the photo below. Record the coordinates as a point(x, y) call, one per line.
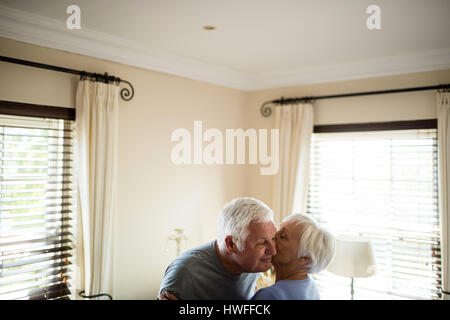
point(271, 248)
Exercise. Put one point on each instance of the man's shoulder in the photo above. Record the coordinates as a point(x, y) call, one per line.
point(198, 255)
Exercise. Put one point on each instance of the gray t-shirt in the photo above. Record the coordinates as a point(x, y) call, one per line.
point(198, 274)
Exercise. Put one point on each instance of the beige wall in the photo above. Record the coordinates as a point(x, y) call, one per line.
point(156, 196)
point(374, 108)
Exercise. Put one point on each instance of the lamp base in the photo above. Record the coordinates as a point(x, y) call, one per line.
point(352, 291)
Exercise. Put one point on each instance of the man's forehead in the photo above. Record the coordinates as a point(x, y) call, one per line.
point(262, 228)
point(267, 224)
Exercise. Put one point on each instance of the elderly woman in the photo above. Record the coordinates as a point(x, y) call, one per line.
point(303, 248)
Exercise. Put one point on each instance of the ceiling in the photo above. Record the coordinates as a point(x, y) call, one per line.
point(257, 44)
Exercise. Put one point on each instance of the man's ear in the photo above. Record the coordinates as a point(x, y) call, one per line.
point(229, 244)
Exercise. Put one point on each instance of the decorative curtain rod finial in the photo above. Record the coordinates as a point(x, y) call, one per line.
point(265, 110)
point(125, 93)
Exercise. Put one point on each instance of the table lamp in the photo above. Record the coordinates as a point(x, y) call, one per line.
point(354, 258)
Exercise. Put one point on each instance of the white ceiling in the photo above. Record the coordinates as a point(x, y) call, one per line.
point(257, 43)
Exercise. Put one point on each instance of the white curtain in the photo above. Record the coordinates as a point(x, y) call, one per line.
point(97, 119)
point(443, 105)
point(295, 122)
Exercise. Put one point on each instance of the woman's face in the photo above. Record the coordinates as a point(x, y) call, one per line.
point(287, 243)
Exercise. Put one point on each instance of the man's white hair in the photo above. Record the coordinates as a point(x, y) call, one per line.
point(315, 242)
point(235, 217)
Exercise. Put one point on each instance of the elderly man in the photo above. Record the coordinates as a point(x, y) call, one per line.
point(303, 248)
point(226, 268)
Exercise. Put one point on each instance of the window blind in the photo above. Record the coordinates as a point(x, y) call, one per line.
point(382, 185)
point(35, 208)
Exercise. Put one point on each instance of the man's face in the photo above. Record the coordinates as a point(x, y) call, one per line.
point(287, 243)
point(259, 247)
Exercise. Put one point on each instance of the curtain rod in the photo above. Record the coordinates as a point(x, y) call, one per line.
point(266, 111)
point(125, 93)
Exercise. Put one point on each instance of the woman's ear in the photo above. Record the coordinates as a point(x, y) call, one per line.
point(305, 260)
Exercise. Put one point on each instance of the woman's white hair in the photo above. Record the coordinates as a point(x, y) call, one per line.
point(315, 242)
point(235, 217)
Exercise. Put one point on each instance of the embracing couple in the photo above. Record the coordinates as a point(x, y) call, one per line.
point(248, 243)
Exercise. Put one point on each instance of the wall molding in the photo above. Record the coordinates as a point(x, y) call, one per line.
point(392, 65)
point(35, 29)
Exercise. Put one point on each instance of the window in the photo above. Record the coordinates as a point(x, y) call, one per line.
point(381, 185)
point(35, 208)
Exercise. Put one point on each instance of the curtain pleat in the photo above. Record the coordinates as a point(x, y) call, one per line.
point(443, 111)
point(97, 120)
point(295, 123)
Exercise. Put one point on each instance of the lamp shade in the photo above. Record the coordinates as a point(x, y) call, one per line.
point(353, 258)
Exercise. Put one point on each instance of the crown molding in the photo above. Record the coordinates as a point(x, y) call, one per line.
point(378, 67)
point(35, 29)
